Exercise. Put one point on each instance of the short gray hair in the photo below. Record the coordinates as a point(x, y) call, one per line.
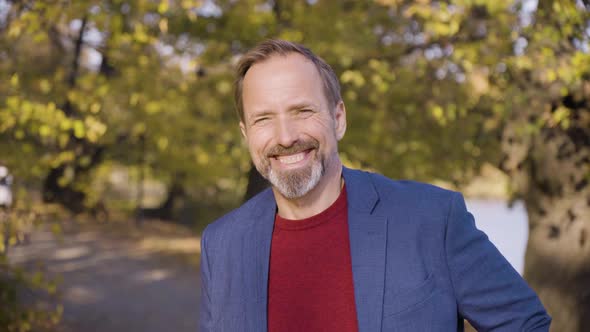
point(271, 47)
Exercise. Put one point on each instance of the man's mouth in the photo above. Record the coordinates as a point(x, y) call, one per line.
point(292, 156)
point(291, 159)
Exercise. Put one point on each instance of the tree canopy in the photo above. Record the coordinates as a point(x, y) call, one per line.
point(427, 83)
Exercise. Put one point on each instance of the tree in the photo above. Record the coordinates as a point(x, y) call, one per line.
point(90, 80)
point(546, 143)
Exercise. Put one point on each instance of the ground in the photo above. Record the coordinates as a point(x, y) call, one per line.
point(119, 278)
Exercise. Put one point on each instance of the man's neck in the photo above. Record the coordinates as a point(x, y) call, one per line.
point(315, 201)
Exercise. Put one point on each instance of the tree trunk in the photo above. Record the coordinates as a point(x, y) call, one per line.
point(550, 171)
point(67, 194)
point(55, 189)
point(167, 210)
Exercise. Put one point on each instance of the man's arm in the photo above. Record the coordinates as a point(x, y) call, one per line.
point(490, 294)
point(205, 317)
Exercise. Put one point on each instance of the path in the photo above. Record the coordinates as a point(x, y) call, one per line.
point(121, 280)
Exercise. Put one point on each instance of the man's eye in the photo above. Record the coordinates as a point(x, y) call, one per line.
point(260, 120)
point(305, 111)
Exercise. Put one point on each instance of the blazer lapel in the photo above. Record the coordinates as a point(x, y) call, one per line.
point(261, 236)
point(368, 240)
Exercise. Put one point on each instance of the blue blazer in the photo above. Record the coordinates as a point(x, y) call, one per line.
point(418, 264)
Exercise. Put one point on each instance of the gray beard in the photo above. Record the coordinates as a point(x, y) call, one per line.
point(298, 183)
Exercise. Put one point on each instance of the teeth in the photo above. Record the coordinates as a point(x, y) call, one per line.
point(292, 158)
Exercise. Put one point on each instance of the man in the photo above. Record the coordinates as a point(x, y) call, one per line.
point(328, 248)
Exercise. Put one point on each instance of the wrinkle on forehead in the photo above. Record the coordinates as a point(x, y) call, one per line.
point(294, 106)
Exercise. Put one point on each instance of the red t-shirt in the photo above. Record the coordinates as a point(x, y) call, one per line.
point(310, 281)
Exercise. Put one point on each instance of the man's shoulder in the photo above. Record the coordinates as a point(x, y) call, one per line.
point(411, 188)
point(412, 205)
point(409, 193)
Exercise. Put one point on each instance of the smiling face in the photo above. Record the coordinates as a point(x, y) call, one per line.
point(290, 128)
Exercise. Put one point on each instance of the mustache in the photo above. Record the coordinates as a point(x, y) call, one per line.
point(297, 147)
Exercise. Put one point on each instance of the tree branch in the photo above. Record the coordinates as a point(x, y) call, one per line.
point(77, 53)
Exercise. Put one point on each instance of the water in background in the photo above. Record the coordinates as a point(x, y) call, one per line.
point(506, 227)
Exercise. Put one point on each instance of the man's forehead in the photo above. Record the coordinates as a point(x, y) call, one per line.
point(278, 62)
point(291, 71)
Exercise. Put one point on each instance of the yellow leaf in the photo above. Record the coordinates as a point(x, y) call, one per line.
point(224, 87)
point(560, 115)
point(293, 35)
point(379, 83)
point(14, 80)
point(14, 30)
point(95, 129)
point(79, 130)
point(39, 37)
point(202, 158)
point(45, 86)
point(65, 156)
point(438, 114)
point(140, 35)
point(163, 143)
point(163, 7)
point(95, 108)
point(163, 25)
point(353, 76)
point(550, 75)
point(65, 124)
point(102, 90)
point(134, 99)
point(44, 131)
point(12, 102)
point(152, 107)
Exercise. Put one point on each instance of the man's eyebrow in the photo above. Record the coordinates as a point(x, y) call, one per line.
point(302, 105)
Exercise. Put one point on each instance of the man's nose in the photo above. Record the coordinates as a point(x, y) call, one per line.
point(285, 132)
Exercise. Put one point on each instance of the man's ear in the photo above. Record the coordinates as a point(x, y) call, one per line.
point(243, 129)
point(340, 119)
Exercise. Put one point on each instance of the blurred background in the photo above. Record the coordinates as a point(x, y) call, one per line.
point(119, 141)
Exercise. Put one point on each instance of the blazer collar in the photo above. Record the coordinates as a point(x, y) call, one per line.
point(368, 244)
point(362, 196)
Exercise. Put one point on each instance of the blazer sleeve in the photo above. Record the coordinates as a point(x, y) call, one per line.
point(490, 294)
point(205, 315)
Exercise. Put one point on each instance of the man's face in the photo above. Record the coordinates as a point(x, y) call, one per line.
point(291, 130)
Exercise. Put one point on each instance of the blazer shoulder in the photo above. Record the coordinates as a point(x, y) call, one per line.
point(413, 196)
point(384, 184)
